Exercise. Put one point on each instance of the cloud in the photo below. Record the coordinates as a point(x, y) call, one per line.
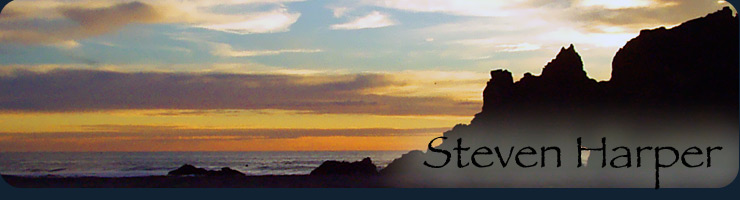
point(69, 44)
point(565, 35)
point(8, 14)
point(267, 52)
point(68, 90)
point(98, 21)
point(339, 11)
point(55, 22)
point(525, 19)
point(373, 20)
point(598, 30)
point(242, 67)
point(657, 9)
point(82, 22)
point(496, 44)
point(518, 47)
point(278, 20)
point(462, 85)
point(225, 50)
point(485, 8)
point(617, 4)
point(641, 14)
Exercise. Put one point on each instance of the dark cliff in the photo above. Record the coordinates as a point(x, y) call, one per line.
point(679, 84)
point(693, 64)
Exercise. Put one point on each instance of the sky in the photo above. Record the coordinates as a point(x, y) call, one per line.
point(284, 75)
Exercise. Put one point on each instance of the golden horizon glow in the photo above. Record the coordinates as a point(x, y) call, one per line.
point(28, 122)
point(332, 143)
point(24, 124)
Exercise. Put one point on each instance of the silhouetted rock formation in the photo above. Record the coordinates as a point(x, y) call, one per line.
point(563, 86)
point(227, 172)
point(364, 167)
point(693, 64)
point(679, 84)
point(189, 170)
point(397, 166)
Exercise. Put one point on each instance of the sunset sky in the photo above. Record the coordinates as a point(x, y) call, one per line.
point(262, 75)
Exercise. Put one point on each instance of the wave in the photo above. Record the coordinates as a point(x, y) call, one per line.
point(121, 164)
point(148, 168)
point(34, 170)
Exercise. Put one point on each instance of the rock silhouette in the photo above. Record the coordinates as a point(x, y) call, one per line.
point(693, 64)
point(190, 170)
point(364, 167)
point(563, 86)
point(397, 166)
point(676, 85)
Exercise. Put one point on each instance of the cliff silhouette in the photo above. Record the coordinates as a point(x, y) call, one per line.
point(693, 65)
point(675, 86)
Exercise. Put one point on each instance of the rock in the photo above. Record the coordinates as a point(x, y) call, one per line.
point(562, 87)
point(226, 172)
point(566, 66)
point(498, 90)
point(364, 167)
point(660, 80)
point(189, 170)
point(692, 64)
point(400, 165)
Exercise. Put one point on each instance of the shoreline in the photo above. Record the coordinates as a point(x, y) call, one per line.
point(262, 181)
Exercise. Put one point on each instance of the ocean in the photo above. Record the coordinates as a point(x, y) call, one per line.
point(128, 164)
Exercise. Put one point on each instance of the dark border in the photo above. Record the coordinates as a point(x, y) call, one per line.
point(9, 192)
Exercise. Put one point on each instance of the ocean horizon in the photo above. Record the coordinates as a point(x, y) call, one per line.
point(133, 164)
